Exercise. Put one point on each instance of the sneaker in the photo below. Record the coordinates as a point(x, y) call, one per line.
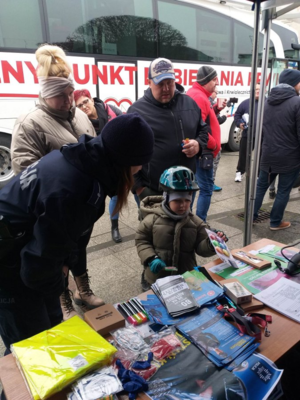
point(217, 188)
point(283, 225)
point(145, 285)
point(272, 194)
point(238, 177)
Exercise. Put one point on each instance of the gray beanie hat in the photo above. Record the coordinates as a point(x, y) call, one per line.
point(206, 74)
point(290, 77)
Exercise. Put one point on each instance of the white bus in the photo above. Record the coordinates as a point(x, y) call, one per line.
point(111, 42)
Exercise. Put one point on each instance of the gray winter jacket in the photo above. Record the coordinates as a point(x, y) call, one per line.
point(44, 129)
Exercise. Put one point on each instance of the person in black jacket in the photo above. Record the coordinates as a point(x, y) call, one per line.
point(179, 132)
point(240, 116)
point(280, 153)
point(100, 113)
point(46, 215)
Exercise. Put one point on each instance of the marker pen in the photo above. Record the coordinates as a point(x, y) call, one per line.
point(126, 315)
point(140, 306)
point(133, 313)
point(142, 316)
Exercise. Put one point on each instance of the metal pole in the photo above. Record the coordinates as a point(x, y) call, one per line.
point(260, 115)
point(247, 221)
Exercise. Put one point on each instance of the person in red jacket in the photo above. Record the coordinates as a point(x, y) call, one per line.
point(200, 92)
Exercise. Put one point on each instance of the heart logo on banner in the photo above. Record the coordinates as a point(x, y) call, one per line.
point(119, 103)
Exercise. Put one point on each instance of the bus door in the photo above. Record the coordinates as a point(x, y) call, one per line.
point(278, 65)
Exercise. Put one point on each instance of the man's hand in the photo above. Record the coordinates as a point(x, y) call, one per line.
point(224, 104)
point(242, 126)
point(190, 148)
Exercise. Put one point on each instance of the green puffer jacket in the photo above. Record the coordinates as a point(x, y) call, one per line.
point(175, 242)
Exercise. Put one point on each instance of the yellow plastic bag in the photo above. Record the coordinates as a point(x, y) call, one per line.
point(55, 358)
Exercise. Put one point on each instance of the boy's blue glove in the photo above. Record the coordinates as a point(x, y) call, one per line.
point(157, 265)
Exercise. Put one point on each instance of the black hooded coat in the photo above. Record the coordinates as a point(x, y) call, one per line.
point(281, 131)
point(50, 209)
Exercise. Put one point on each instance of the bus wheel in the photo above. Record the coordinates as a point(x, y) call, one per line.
point(6, 171)
point(234, 138)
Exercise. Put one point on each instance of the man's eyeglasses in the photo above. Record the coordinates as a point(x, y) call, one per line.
point(84, 103)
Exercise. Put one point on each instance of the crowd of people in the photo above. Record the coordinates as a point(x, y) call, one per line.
point(73, 151)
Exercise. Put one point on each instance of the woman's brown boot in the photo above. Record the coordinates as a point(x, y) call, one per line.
point(84, 295)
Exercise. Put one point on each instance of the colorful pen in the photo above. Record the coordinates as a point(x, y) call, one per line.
point(142, 316)
point(126, 315)
point(133, 313)
point(140, 306)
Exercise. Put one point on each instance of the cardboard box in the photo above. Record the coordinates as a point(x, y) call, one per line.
point(238, 293)
point(104, 319)
point(252, 305)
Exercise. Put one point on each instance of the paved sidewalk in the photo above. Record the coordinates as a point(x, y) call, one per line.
point(115, 269)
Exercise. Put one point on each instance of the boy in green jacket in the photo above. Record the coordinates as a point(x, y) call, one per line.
point(170, 234)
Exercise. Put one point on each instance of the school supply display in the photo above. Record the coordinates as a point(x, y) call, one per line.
point(53, 359)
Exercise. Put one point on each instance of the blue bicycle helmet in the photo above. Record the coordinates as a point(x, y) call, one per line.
point(178, 179)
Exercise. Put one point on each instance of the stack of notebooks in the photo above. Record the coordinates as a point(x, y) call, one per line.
point(175, 295)
point(181, 294)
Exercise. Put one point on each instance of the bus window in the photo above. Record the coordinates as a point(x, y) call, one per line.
point(20, 24)
point(111, 27)
point(199, 34)
point(243, 45)
point(288, 38)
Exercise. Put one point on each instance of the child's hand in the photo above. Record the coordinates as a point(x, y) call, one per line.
point(157, 265)
point(222, 235)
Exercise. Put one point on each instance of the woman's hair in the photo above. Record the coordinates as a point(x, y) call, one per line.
point(52, 61)
point(82, 92)
point(125, 184)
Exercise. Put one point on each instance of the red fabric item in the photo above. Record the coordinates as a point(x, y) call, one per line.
point(165, 346)
point(200, 96)
point(145, 373)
